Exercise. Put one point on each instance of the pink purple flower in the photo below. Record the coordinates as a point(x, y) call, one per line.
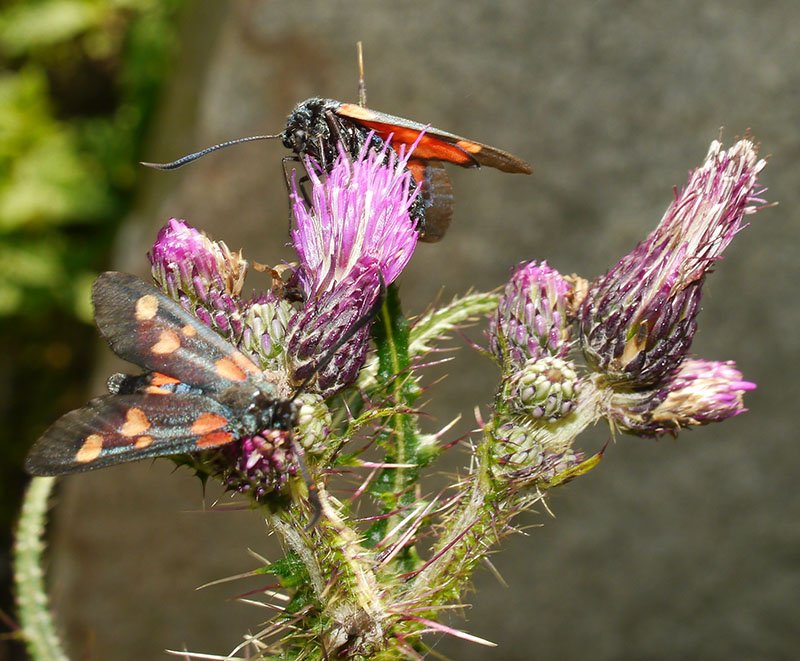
point(355, 237)
point(205, 276)
point(700, 392)
point(531, 319)
point(639, 319)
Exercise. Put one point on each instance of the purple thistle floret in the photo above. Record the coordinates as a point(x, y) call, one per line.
point(258, 465)
point(532, 317)
point(700, 392)
point(204, 276)
point(638, 320)
point(360, 210)
point(357, 233)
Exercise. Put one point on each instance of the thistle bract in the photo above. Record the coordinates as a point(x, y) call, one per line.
point(638, 320)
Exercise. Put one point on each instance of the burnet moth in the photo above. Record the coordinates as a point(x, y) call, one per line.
point(319, 127)
point(198, 391)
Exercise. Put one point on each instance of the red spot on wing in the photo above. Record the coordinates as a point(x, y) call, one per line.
point(227, 368)
point(207, 423)
point(417, 170)
point(214, 439)
point(159, 379)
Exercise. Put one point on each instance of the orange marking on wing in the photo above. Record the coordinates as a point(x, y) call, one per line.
point(355, 112)
point(159, 379)
point(136, 422)
point(208, 422)
point(189, 331)
point(417, 170)
point(91, 449)
point(155, 390)
point(146, 308)
point(214, 439)
point(471, 147)
point(228, 369)
point(429, 148)
point(168, 342)
point(244, 362)
point(143, 442)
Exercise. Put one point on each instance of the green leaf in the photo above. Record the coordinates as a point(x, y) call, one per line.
point(38, 24)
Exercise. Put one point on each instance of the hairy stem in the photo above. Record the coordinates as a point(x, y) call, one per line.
point(483, 514)
point(34, 612)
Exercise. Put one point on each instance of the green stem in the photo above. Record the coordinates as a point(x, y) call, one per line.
point(484, 513)
point(37, 623)
point(400, 437)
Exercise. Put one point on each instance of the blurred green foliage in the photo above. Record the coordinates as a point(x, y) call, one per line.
point(79, 81)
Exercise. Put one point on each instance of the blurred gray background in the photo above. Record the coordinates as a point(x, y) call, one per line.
point(670, 549)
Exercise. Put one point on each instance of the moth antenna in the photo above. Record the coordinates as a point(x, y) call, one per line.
point(183, 160)
point(362, 85)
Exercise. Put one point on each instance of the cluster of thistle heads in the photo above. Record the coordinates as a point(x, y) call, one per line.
point(620, 342)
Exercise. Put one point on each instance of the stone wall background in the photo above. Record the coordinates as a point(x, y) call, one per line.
point(674, 549)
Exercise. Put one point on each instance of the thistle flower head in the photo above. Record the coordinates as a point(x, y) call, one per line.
point(531, 320)
point(259, 465)
point(360, 210)
point(639, 319)
point(356, 235)
point(204, 276)
point(700, 392)
point(523, 459)
point(264, 338)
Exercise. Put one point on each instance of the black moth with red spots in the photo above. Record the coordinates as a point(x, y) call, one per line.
point(199, 391)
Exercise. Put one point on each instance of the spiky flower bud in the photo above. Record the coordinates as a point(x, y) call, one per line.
point(523, 460)
point(313, 422)
point(264, 336)
point(327, 321)
point(532, 317)
point(203, 275)
point(639, 319)
point(356, 236)
point(700, 392)
point(544, 388)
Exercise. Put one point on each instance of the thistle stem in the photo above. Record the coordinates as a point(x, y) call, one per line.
point(37, 623)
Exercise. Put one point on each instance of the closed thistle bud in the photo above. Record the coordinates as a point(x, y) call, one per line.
point(264, 336)
point(523, 460)
point(204, 276)
point(258, 466)
point(543, 389)
point(313, 422)
point(531, 320)
point(700, 392)
point(639, 319)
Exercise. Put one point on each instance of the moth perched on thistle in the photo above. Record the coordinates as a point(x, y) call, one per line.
point(208, 381)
